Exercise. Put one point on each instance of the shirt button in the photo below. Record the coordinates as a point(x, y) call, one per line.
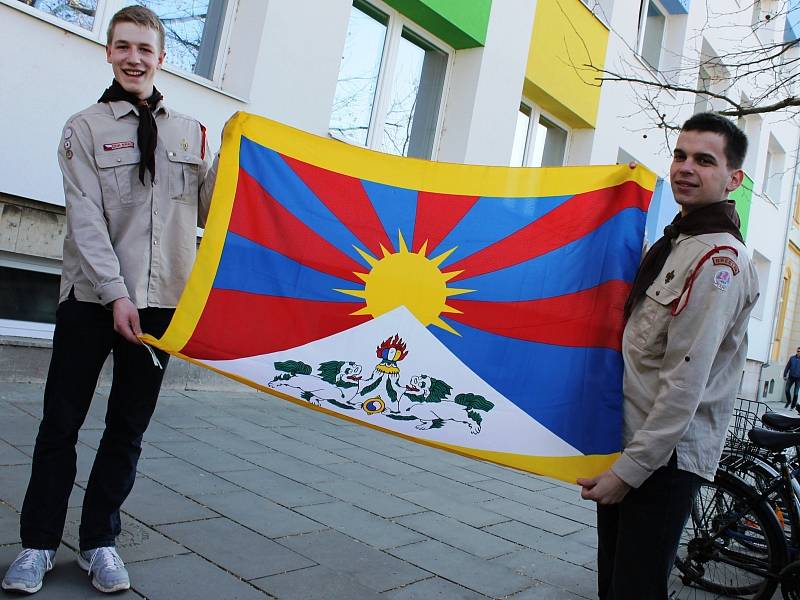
point(119, 160)
point(171, 153)
point(155, 242)
point(155, 212)
point(155, 181)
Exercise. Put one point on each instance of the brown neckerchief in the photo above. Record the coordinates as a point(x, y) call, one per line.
point(147, 132)
point(719, 217)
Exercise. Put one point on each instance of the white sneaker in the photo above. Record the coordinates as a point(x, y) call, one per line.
point(27, 571)
point(106, 569)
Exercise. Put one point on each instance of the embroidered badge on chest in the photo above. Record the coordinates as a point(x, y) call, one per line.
point(117, 145)
point(670, 276)
point(722, 280)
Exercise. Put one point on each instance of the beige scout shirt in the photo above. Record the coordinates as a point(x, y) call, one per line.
point(682, 372)
point(124, 238)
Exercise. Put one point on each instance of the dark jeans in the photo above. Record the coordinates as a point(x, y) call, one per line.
point(84, 336)
point(791, 382)
point(638, 538)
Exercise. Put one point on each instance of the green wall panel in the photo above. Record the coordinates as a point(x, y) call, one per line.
point(744, 199)
point(460, 23)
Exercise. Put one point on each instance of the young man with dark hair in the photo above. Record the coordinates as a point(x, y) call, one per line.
point(684, 348)
point(136, 185)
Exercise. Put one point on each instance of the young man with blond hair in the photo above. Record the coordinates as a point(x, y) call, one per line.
point(136, 185)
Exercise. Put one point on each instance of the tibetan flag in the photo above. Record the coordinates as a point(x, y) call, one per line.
point(471, 308)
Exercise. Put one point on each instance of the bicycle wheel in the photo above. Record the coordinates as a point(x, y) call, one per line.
point(732, 543)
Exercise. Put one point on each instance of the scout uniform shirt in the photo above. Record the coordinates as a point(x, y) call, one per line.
point(684, 349)
point(125, 239)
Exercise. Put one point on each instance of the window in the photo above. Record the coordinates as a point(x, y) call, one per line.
point(773, 171)
point(652, 23)
point(193, 32)
point(28, 295)
point(701, 101)
point(538, 140)
point(79, 13)
point(194, 28)
point(600, 9)
point(390, 87)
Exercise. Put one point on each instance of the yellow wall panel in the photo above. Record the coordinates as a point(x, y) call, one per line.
point(566, 36)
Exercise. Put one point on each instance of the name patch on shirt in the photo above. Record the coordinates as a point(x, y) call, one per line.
point(727, 262)
point(722, 280)
point(117, 145)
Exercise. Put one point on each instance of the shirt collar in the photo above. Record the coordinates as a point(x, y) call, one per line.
point(120, 108)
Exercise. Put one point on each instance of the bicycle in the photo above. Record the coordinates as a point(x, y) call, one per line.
point(734, 543)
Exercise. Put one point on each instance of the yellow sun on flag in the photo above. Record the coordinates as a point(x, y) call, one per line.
point(407, 279)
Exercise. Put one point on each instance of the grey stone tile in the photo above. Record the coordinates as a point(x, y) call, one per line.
point(188, 577)
point(435, 464)
point(9, 528)
point(510, 491)
point(135, 542)
point(10, 455)
point(291, 467)
point(570, 495)
point(204, 456)
point(260, 514)
point(236, 549)
point(315, 583)
point(586, 536)
point(13, 483)
point(582, 514)
point(361, 525)
point(155, 504)
point(21, 392)
point(370, 567)
point(90, 437)
point(183, 477)
point(305, 452)
point(150, 451)
point(545, 542)
point(65, 582)
point(464, 537)
point(264, 415)
point(558, 573)
point(545, 591)
point(471, 514)
point(181, 420)
point(18, 430)
point(533, 516)
point(512, 476)
point(373, 478)
point(449, 488)
point(314, 438)
point(378, 461)
point(485, 577)
point(84, 462)
point(225, 440)
point(156, 432)
point(434, 588)
point(276, 487)
point(368, 498)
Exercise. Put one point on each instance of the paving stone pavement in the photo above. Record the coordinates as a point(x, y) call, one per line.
point(241, 495)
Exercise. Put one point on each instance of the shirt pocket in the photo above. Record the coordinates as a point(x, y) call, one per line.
point(184, 176)
point(119, 179)
point(660, 300)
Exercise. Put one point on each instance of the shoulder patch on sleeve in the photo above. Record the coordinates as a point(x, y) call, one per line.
point(726, 261)
point(722, 280)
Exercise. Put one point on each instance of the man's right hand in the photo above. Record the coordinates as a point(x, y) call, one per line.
point(126, 320)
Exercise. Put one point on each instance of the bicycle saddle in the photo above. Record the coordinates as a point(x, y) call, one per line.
point(780, 422)
point(773, 440)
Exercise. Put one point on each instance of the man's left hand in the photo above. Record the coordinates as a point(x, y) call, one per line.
point(606, 488)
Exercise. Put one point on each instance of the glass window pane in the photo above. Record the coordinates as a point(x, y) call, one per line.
point(413, 110)
point(520, 136)
point(549, 146)
point(28, 295)
point(193, 29)
point(358, 74)
point(77, 12)
point(653, 35)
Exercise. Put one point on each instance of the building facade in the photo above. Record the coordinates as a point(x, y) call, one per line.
point(499, 82)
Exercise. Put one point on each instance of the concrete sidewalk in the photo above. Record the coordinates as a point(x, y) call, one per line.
point(241, 495)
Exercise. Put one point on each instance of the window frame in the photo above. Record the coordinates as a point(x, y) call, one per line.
point(396, 23)
point(29, 329)
point(530, 135)
point(642, 29)
point(107, 8)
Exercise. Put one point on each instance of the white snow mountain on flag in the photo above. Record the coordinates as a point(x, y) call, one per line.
point(392, 373)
